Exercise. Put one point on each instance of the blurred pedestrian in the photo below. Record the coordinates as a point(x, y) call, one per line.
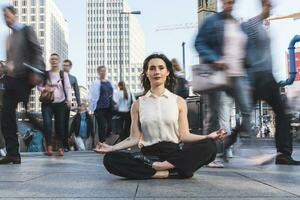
point(22, 47)
point(259, 65)
point(159, 124)
point(124, 99)
point(221, 43)
point(2, 141)
point(67, 66)
point(225, 107)
point(82, 127)
point(182, 85)
point(58, 85)
point(100, 103)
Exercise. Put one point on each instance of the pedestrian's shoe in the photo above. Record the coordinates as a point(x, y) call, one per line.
point(66, 149)
point(216, 164)
point(283, 159)
point(10, 160)
point(48, 151)
point(230, 139)
point(2, 152)
point(60, 152)
point(143, 159)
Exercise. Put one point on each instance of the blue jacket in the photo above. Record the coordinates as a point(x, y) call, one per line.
point(209, 41)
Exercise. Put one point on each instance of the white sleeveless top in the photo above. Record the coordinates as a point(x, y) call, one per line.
point(159, 118)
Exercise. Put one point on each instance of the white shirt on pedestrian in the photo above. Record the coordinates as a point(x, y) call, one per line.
point(234, 51)
point(124, 105)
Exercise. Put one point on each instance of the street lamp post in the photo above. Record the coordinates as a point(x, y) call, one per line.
point(120, 40)
point(183, 56)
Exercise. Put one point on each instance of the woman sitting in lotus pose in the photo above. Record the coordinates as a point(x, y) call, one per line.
point(160, 128)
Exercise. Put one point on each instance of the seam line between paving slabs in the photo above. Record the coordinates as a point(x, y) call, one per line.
point(25, 180)
point(256, 180)
point(64, 197)
point(37, 177)
point(154, 197)
point(136, 190)
point(218, 197)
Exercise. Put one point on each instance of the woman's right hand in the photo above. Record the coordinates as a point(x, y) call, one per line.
point(103, 148)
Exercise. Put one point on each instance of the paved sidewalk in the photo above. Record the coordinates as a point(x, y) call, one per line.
point(81, 175)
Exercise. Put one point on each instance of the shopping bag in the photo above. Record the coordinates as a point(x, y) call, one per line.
point(207, 79)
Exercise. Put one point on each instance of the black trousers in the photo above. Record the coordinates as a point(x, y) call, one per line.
point(186, 159)
point(125, 121)
point(104, 118)
point(59, 112)
point(266, 88)
point(66, 135)
point(16, 90)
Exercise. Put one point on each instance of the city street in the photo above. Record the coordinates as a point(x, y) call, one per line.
point(81, 175)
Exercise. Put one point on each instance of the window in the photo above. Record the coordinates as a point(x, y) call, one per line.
point(32, 10)
point(24, 3)
point(33, 2)
point(24, 10)
point(42, 2)
point(32, 18)
point(15, 3)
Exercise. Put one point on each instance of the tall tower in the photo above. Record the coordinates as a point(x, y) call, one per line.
point(206, 8)
point(104, 40)
point(51, 29)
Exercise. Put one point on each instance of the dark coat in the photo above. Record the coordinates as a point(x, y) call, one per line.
point(23, 46)
point(75, 125)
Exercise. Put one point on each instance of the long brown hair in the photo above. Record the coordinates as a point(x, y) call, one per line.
point(171, 79)
point(122, 86)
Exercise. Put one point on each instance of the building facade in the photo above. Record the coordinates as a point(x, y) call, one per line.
point(206, 8)
point(114, 40)
point(51, 29)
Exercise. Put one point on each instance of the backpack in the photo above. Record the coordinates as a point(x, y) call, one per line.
point(182, 87)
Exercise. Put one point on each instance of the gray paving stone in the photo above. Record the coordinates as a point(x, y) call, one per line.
point(209, 184)
point(81, 175)
point(221, 198)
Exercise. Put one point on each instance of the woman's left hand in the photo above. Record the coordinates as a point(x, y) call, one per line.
point(217, 135)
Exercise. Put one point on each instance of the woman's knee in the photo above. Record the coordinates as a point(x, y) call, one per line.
point(185, 174)
point(212, 146)
point(108, 159)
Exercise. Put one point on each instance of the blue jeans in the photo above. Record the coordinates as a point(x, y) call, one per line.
point(58, 110)
point(239, 91)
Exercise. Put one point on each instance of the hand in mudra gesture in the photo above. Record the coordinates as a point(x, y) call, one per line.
point(217, 135)
point(103, 148)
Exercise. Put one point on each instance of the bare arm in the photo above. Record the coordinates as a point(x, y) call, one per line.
point(184, 132)
point(132, 140)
